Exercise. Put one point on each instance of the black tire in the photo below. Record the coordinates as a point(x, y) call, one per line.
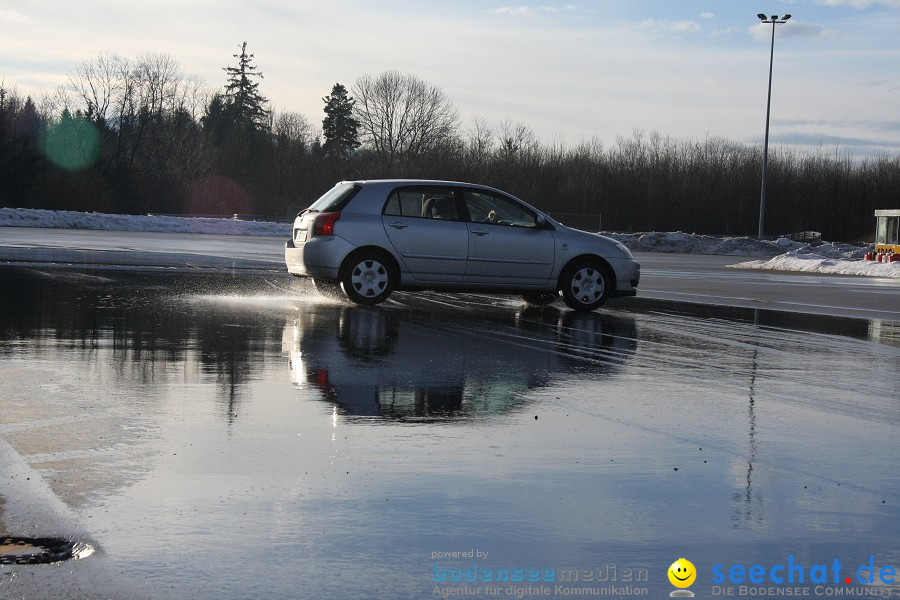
point(368, 277)
point(540, 298)
point(330, 289)
point(585, 285)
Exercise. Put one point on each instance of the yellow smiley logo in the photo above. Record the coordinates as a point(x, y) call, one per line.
point(682, 573)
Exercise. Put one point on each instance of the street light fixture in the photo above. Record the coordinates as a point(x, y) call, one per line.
point(774, 20)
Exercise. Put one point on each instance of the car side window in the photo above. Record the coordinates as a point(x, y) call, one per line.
point(392, 207)
point(429, 202)
point(487, 207)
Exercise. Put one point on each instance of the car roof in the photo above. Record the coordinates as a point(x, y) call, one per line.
point(398, 182)
point(421, 182)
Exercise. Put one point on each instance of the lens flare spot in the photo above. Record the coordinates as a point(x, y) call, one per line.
point(72, 144)
point(218, 195)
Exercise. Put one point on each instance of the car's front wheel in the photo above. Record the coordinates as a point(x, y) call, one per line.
point(585, 285)
point(367, 278)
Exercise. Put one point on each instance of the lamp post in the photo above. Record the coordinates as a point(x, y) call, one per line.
point(774, 20)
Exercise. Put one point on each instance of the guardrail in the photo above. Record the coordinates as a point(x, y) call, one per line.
point(804, 236)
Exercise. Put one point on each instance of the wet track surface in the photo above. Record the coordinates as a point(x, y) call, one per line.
point(237, 436)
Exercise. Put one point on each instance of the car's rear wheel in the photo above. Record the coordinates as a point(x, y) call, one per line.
point(367, 278)
point(329, 289)
point(585, 285)
point(540, 298)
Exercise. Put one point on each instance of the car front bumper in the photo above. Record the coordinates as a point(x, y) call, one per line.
point(628, 276)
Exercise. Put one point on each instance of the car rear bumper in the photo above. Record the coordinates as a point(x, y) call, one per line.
point(319, 258)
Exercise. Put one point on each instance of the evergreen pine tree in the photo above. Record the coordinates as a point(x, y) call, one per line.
point(339, 127)
point(243, 102)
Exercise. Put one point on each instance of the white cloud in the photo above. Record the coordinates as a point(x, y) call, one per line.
point(14, 17)
point(763, 32)
point(707, 15)
point(727, 31)
point(530, 11)
point(513, 11)
point(666, 25)
point(861, 3)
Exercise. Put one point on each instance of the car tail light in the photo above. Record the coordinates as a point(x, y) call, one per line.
point(324, 223)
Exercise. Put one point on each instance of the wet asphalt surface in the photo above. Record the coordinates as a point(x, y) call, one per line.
point(236, 436)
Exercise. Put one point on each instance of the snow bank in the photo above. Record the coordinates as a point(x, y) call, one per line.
point(67, 219)
point(824, 257)
point(686, 243)
point(831, 260)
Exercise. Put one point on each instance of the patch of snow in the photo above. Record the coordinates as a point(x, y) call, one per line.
point(822, 257)
point(834, 259)
point(680, 242)
point(68, 219)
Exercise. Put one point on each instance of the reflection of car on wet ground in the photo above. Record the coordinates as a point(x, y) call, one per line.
point(409, 365)
point(365, 239)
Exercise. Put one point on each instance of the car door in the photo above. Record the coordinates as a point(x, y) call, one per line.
point(423, 223)
point(506, 244)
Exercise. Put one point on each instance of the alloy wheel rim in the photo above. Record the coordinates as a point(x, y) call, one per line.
point(369, 278)
point(587, 285)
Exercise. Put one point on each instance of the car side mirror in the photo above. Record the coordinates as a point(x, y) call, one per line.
point(541, 221)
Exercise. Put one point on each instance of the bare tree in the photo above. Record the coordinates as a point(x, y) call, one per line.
point(97, 84)
point(194, 96)
point(400, 116)
point(480, 140)
point(516, 140)
point(291, 127)
point(160, 77)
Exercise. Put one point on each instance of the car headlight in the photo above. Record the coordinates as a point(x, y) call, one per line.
point(624, 250)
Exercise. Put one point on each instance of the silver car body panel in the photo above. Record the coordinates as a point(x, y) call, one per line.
point(510, 255)
point(429, 249)
point(443, 254)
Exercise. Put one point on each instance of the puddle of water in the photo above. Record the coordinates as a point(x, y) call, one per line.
point(232, 435)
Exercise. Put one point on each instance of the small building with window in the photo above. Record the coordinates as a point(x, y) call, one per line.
point(887, 229)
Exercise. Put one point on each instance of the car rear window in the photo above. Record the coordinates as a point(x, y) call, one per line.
point(336, 198)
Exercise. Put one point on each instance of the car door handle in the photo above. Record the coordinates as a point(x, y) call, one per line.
point(479, 232)
point(398, 225)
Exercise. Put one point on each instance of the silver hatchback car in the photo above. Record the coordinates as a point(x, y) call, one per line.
point(364, 239)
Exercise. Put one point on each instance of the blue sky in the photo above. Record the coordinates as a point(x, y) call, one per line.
point(572, 71)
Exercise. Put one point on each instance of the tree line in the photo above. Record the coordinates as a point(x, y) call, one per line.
point(138, 135)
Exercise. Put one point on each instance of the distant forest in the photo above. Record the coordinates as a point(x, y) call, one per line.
point(138, 135)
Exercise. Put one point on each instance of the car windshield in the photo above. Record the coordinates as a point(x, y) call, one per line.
point(335, 199)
